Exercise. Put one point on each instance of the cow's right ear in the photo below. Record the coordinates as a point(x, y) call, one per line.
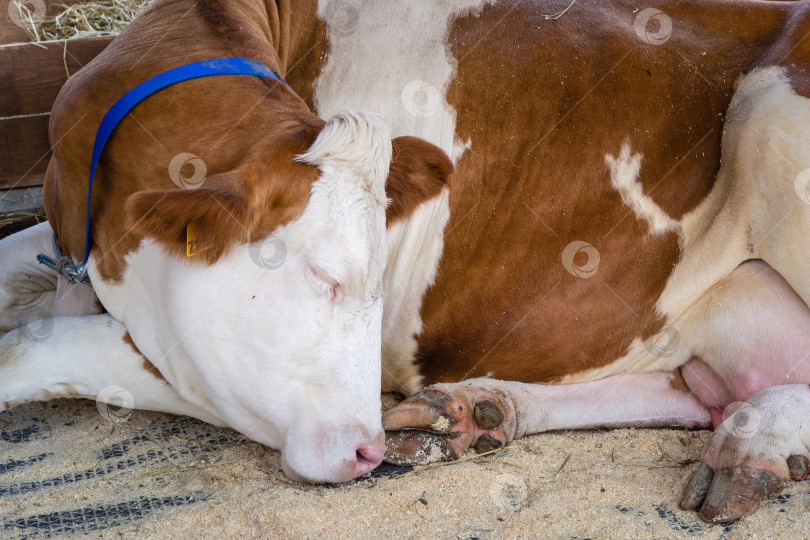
point(419, 171)
point(203, 223)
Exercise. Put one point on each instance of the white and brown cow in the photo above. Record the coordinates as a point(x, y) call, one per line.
point(272, 325)
point(590, 236)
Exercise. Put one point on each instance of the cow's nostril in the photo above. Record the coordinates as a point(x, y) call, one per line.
point(368, 458)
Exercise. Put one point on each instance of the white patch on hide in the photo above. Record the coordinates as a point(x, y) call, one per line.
point(624, 171)
point(395, 60)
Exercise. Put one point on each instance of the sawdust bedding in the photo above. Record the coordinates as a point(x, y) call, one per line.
point(65, 470)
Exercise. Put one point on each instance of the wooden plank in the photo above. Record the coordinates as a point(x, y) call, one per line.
point(10, 32)
point(29, 180)
point(32, 74)
point(24, 150)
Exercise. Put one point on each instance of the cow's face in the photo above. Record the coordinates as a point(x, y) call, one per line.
point(280, 335)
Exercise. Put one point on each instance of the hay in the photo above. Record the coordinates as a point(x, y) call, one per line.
point(85, 19)
point(11, 222)
point(10, 218)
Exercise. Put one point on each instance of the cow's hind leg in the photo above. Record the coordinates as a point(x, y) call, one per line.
point(30, 291)
point(85, 357)
point(445, 420)
point(752, 454)
point(750, 341)
point(27, 288)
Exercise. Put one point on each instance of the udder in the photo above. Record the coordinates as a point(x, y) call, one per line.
point(751, 331)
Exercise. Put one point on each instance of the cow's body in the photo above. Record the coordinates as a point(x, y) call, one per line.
point(591, 232)
point(554, 141)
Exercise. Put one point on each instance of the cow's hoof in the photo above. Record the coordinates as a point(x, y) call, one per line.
point(440, 425)
point(751, 455)
point(729, 494)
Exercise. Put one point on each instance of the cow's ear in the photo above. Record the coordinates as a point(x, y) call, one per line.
point(419, 171)
point(201, 223)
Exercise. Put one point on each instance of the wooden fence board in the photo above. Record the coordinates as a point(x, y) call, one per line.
point(32, 74)
point(24, 150)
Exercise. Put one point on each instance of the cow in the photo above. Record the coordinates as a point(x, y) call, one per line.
point(238, 245)
point(623, 241)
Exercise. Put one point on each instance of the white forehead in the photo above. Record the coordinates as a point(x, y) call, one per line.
point(343, 224)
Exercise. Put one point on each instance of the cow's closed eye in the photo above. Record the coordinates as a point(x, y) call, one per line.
point(324, 283)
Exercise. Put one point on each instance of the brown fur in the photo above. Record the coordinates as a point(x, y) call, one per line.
point(541, 118)
point(419, 171)
point(308, 48)
point(247, 130)
point(678, 383)
point(147, 365)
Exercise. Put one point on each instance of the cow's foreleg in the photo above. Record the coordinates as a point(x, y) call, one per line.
point(85, 357)
point(444, 420)
point(752, 453)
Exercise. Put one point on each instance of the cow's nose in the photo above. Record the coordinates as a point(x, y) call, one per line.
point(369, 456)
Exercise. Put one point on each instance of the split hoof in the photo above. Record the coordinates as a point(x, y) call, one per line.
point(435, 425)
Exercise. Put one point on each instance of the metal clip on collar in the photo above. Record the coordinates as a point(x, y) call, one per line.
point(63, 265)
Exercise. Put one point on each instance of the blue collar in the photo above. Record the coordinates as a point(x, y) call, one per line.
point(76, 273)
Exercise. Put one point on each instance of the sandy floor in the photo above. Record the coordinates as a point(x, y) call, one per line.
point(64, 469)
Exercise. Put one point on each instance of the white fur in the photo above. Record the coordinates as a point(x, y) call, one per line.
point(30, 291)
point(80, 357)
point(395, 44)
point(27, 288)
point(414, 249)
point(267, 350)
point(624, 172)
point(378, 68)
point(639, 399)
point(355, 146)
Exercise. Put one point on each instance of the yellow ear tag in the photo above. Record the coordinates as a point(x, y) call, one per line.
point(191, 240)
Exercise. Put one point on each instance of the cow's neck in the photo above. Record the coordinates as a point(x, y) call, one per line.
point(211, 30)
point(402, 75)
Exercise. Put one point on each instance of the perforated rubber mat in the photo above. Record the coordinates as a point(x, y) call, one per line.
point(68, 472)
point(43, 494)
point(56, 479)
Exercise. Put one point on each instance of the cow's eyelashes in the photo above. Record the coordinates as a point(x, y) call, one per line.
point(323, 282)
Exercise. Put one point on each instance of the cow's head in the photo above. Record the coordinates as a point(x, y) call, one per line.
point(275, 323)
